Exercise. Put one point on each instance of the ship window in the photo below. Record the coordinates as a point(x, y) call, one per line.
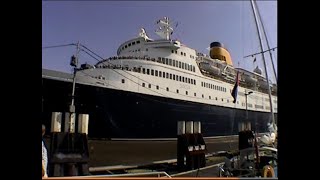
point(195, 82)
point(177, 78)
point(179, 64)
point(209, 97)
point(159, 59)
point(122, 80)
point(139, 70)
point(181, 53)
point(163, 60)
point(195, 94)
point(167, 75)
point(157, 87)
point(147, 49)
point(183, 65)
point(186, 92)
point(177, 90)
point(170, 62)
point(167, 89)
point(221, 99)
point(174, 77)
point(143, 70)
point(202, 96)
point(133, 43)
point(176, 52)
point(166, 60)
point(189, 80)
point(184, 54)
point(125, 46)
point(170, 76)
point(122, 48)
point(138, 42)
point(156, 72)
point(172, 51)
point(173, 62)
point(152, 72)
point(129, 44)
point(201, 84)
point(148, 71)
point(217, 98)
point(160, 73)
point(149, 85)
point(143, 84)
point(180, 78)
point(163, 74)
point(183, 79)
point(193, 69)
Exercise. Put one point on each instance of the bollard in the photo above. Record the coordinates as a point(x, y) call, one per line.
point(83, 122)
point(191, 147)
point(56, 121)
point(189, 127)
point(69, 122)
point(197, 127)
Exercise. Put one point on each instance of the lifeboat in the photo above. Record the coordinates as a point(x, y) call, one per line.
point(210, 68)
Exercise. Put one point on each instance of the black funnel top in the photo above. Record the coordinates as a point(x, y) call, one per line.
point(216, 44)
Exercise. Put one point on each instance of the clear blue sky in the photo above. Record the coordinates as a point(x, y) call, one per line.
point(103, 25)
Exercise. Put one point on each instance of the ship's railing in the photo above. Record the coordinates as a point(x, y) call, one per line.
point(160, 174)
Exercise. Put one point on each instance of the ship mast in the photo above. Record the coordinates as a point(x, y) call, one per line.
point(264, 61)
point(164, 30)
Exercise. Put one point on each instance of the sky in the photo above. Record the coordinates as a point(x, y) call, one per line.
point(102, 26)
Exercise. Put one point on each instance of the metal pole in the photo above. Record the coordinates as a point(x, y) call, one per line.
point(246, 106)
point(72, 108)
point(264, 61)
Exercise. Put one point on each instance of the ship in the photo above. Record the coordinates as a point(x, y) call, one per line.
point(151, 84)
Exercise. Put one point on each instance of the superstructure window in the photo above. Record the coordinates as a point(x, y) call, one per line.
point(186, 92)
point(156, 73)
point(195, 94)
point(173, 62)
point(143, 84)
point(152, 72)
point(122, 80)
point(174, 77)
point(157, 87)
point(148, 71)
point(160, 74)
point(143, 70)
point(178, 91)
point(167, 89)
point(138, 42)
point(133, 43)
point(149, 85)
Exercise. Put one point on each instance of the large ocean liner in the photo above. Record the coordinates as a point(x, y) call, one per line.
point(151, 84)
